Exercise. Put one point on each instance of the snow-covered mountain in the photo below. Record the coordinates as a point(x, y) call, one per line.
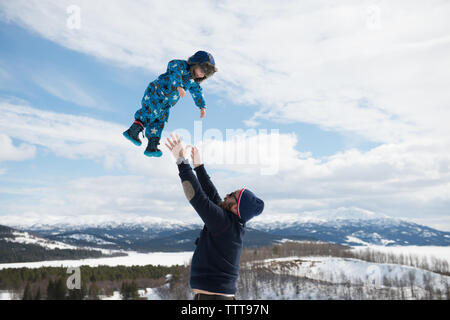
point(10, 235)
point(353, 227)
point(21, 246)
point(343, 226)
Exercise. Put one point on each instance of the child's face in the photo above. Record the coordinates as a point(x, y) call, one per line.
point(198, 72)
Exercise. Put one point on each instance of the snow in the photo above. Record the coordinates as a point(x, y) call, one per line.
point(148, 293)
point(265, 222)
point(6, 295)
point(115, 296)
point(378, 238)
point(133, 258)
point(340, 270)
point(356, 240)
point(33, 222)
point(386, 242)
point(26, 238)
point(89, 238)
point(439, 252)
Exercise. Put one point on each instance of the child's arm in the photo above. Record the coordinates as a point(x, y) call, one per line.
point(174, 72)
point(197, 94)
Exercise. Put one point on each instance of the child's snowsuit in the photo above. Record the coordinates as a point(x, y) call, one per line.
point(162, 94)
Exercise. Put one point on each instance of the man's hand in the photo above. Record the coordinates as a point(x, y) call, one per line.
point(195, 156)
point(202, 113)
point(181, 92)
point(176, 146)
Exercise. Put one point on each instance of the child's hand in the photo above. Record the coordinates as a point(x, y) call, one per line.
point(202, 113)
point(181, 92)
point(195, 156)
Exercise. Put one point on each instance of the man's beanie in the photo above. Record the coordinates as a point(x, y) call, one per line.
point(248, 205)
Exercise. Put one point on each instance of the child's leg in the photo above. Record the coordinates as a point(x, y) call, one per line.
point(132, 134)
point(144, 115)
point(153, 132)
point(154, 129)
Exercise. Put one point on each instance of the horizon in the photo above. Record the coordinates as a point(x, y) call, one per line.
point(341, 214)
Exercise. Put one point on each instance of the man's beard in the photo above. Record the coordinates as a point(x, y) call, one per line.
point(226, 205)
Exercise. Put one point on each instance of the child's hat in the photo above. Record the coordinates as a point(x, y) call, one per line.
point(206, 62)
point(249, 205)
point(202, 57)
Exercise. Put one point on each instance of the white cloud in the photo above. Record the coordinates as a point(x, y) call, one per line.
point(9, 152)
point(121, 197)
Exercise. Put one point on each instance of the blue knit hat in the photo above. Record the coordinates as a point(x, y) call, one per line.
point(248, 205)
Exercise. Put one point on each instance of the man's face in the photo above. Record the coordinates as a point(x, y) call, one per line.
point(230, 201)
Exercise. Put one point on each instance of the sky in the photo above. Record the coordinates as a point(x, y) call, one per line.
point(317, 107)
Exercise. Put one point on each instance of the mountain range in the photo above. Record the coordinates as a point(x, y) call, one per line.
point(348, 227)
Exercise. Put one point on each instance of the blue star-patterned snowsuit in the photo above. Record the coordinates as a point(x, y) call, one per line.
point(162, 94)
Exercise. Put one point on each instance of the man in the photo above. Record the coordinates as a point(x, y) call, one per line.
point(215, 263)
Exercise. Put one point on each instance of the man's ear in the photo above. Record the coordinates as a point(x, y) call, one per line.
point(234, 209)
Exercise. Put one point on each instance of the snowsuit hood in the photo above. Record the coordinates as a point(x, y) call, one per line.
point(206, 62)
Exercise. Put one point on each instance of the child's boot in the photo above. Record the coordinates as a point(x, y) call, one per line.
point(152, 147)
point(132, 133)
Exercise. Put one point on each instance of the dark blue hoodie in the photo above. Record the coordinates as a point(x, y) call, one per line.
point(215, 263)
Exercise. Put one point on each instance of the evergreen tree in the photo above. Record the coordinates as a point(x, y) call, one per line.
point(27, 293)
point(60, 289)
point(38, 294)
point(129, 291)
point(50, 290)
point(93, 291)
point(56, 290)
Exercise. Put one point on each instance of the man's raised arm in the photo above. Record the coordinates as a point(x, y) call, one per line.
point(203, 177)
point(211, 214)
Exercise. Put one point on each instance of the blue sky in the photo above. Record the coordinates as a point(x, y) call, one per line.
point(359, 129)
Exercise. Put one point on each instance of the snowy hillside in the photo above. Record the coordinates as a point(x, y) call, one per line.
point(340, 278)
point(325, 278)
point(290, 270)
point(27, 238)
point(20, 246)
